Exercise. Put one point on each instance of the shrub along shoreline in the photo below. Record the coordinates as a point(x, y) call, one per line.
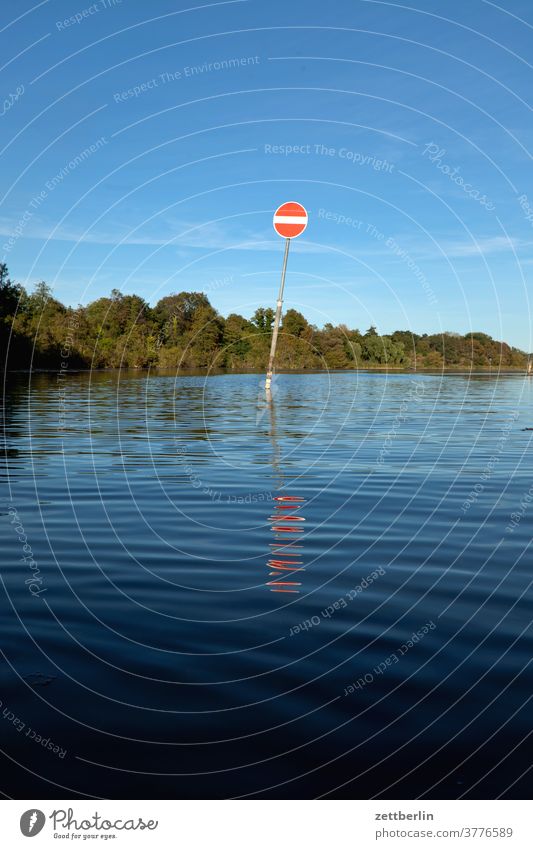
point(183, 331)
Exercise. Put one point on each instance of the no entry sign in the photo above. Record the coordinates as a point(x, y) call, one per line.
point(290, 220)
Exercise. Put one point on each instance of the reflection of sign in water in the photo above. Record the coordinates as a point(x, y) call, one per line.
point(285, 556)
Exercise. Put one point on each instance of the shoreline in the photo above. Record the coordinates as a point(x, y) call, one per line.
point(217, 372)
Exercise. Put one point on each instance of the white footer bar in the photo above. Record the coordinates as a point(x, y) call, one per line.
point(268, 824)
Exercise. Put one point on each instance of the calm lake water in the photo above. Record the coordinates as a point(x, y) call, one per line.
point(162, 639)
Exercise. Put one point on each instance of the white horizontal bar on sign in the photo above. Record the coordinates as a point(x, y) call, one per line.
point(290, 219)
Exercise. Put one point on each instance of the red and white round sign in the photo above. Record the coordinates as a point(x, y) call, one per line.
point(290, 219)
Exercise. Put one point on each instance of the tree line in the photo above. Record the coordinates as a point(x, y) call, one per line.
point(183, 330)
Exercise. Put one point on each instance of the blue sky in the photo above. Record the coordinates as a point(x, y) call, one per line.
point(145, 147)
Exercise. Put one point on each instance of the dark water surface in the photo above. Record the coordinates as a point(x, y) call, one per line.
point(159, 651)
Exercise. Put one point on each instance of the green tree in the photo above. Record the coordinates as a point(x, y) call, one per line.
point(295, 324)
point(237, 340)
point(11, 297)
point(205, 339)
point(263, 319)
point(174, 314)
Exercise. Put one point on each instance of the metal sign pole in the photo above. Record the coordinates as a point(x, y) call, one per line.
point(277, 320)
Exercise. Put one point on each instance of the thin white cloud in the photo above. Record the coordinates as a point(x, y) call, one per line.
point(181, 235)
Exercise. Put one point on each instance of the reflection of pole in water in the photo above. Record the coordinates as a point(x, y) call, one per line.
point(276, 454)
point(285, 556)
